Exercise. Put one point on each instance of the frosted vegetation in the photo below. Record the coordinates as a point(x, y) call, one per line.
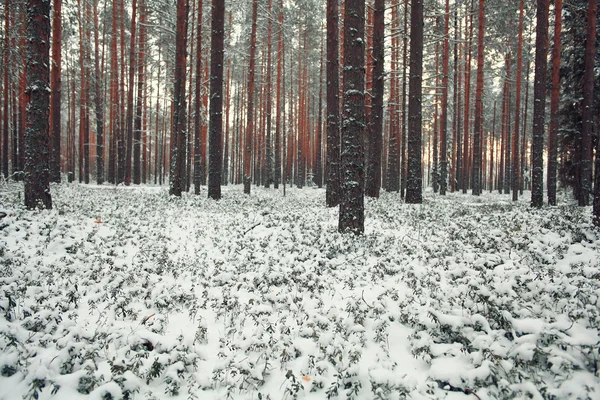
point(129, 293)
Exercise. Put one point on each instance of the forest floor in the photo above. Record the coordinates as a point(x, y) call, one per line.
point(129, 293)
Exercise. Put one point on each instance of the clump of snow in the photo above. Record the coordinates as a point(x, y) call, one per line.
point(127, 292)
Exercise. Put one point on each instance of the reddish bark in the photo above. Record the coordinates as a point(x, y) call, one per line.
point(477, 127)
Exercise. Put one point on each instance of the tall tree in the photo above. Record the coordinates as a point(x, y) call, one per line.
point(98, 102)
point(179, 133)
point(55, 97)
point(539, 103)
point(216, 99)
point(5, 130)
point(554, 103)
point(375, 127)
point(333, 106)
point(269, 146)
point(516, 171)
point(477, 126)
point(414, 192)
point(37, 92)
point(587, 112)
point(250, 106)
point(444, 105)
point(139, 107)
point(278, 122)
point(198, 172)
point(352, 208)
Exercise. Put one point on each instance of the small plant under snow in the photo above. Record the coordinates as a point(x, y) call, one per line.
point(129, 293)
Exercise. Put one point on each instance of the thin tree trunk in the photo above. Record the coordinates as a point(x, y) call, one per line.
point(333, 104)
point(137, 123)
point(477, 127)
point(373, 182)
point(278, 111)
point(179, 134)
point(539, 103)
point(587, 112)
point(250, 107)
point(414, 192)
point(55, 97)
point(216, 98)
point(99, 104)
point(132, 66)
point(516, 178)
point(444, 105)
point(197, 101)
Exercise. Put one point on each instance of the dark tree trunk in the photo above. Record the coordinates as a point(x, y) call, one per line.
point(216, 99)
point(444, 105)
point(516, 175)
point(278, 130)
point(587, 112)
point(375, 128)
point(477, 126)
point(98, 102)
point(352, 209)
point(318, 175)
point(250, 107)
point(137, 123)
point(132, 65)
point(5, 128)
point(55, 97)
point(114, 100)
point(333, 106)
point(554, 103)
point(539, 104)
point(178, 133)
point(394, 159)
point(414, 192)
point(198, 171)
point(37, 92)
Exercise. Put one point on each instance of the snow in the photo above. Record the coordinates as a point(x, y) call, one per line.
point(125, 291)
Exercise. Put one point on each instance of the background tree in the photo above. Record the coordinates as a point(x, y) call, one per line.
point(216, 98)
point(414, 192)
point(250, 107)
point(375, 126)
point(554, 104)
point(55, 87)
point(179, 134)
point(539, 103)
point(37, 177)
point(333, 106)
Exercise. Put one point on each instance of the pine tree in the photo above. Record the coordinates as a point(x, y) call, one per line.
point(216, 98)
point(351, 215)
point(539, 103)
point(414, 192)
point(37, 177)
point(333, 106)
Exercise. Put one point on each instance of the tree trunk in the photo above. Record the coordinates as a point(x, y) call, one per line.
point(278, 111)
point(394, 159)
point(99, 103)
point(55, 97)
point(137, 123)
point(178, 133)
point(5, 128)
point(477, 127)
point(216, 99)
point(554, 104)
point(333, 106)
point(587, 112)
point(539, 103)
point(132, 66)
point(516, 176)
point(375, 128)
point(414, 192)
point(351, 216)
point(444, 105)
point(37, 177)
point(250, 107)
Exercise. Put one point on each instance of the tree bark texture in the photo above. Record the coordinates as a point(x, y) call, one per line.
point(37, 92)
point(332, 193)
point(351, 215)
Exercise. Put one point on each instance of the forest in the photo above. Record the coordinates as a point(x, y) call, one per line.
point(265, 199)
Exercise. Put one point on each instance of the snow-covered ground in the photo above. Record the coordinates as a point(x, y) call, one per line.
point(129, 293)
